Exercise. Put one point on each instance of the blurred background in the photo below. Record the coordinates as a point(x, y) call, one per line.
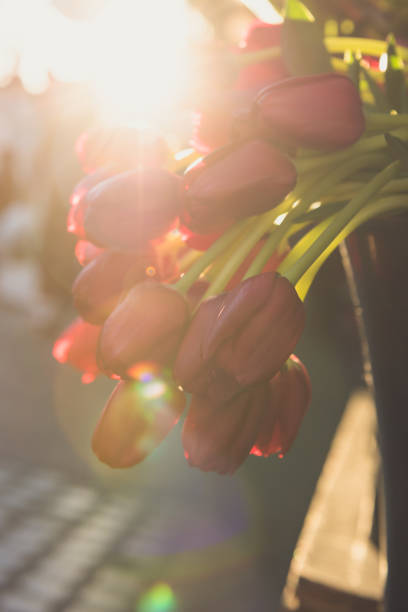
point(160, 537)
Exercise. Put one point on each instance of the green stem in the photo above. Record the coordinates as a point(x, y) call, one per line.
point(347, 190)
point(379, 207)
point(319, 188)
point(261, 225)
point(189, 278)
point(385, 121)
point(340, 221)
point(364, 145)
point(259, 228)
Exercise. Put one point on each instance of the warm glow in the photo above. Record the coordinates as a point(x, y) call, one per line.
point(134, 55)
point(264, 10)
point(144, 69)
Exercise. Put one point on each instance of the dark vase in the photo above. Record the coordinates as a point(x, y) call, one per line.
point(376, 259)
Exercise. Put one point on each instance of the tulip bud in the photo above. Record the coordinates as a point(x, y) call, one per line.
point(290, 394)
point(119, 148)
point(128, 210)
point(85, 252)
point(219, 438)
point(89, 181)
point(137, 417)
point(261, 35)
point(99, 286)
point(222, 119)
point(236, 182)
point(320, 112)
point(199, 242)
point(240, 338)
point(77, 346)
point(146, 326)
point(260, 74)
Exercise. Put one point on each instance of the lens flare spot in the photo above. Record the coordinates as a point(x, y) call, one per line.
point(75, 197)
point(160, 598)
point(183, 154)
point(61, 349)
point(153, 389)
point(280, 218)
point(383, 63)
point(150, 271)
point(145, 371)
point(87, 378)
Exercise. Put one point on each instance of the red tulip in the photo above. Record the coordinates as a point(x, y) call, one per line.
point(199, 242)
point(290, 395)
point(128, 210)
point(89, 181)
point(85, 252)
point(120, 148)
point(76, 219)
point(320, 112)
point(261, 36)
point(219, 438)
point(146, 326)
point(236, 182)
point(240, 338)
point(99, 286)
point(77, 346)
point(222, 118)
point(137, 417)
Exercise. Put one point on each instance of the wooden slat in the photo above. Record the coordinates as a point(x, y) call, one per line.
point(335, 561)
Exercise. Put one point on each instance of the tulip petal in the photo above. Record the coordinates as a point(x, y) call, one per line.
point(136, 418)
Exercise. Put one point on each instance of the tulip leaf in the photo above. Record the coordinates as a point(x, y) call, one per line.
point(303, 49)
point(395, 87)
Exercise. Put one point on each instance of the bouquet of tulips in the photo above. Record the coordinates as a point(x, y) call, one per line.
point(195, 269)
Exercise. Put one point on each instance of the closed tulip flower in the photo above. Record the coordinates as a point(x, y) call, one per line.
point(100, 285)
point(76, 214)
point(77, 346)
point(137, 417)
point(219, 438)
point(147, 325)
point(260, 74)
point(128, 210)
point(222, 119)
point(85, 252)
point(240, 338)
point(319, 112)
point(290, 394)
point(235, 182)
point(85, 184)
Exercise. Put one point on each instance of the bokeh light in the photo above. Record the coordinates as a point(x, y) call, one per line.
point(160, 598)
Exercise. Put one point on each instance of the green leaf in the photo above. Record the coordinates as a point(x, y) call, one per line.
point(297, 11)
point(303, 49)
